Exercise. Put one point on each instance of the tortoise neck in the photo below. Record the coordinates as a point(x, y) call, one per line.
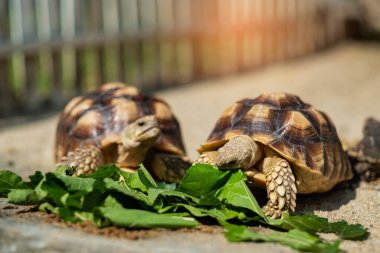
point(131, 157)
point(257, 153)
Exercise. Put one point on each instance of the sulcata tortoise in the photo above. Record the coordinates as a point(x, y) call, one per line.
point(118, 124)
point(365, 155)
point(283, 144)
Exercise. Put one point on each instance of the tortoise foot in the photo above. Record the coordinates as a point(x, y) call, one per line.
point(170, 168)
point(272, 210)
point(281, 187)
point(208, 158)
point(84, 160)
point(366, 171)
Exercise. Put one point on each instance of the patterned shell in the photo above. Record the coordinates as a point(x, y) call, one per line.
point(295, 130)
point(98, 118)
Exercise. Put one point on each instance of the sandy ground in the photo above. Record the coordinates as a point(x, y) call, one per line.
point(343, 81)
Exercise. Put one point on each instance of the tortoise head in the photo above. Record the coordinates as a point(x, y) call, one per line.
point(239, 152)
point(143, 133)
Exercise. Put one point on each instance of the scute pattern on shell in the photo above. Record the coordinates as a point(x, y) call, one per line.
point(97, 118)
point(303, 135)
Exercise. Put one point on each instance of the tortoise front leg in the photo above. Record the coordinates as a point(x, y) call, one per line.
point(84, 160)
point(169, 168)
point(208, 157)
point(280, 185)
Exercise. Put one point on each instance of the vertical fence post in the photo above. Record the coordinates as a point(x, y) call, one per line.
point(240, 34)
point(67, 28)
point(110, 22)
point(31, 65)
point(17, 58)
point(266, 32)
point(57, 92)
point(182, 42)
point(31, 60)
point(130, 26)
point(197, 54)
point(157, 49)
point(6, 103)
point(167, 46)
point(281, 29)
point(257, 31)
point(139, 48)
point(291, 29)
point(47, 59)
point(6, 98)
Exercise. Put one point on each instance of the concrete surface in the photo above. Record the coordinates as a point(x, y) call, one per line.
point(49, 238)
point(343, 81)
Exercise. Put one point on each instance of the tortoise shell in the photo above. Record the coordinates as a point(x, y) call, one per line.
point(98, 118)
point(293, 129)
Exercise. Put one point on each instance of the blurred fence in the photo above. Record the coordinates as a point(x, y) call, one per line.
point(51, 50)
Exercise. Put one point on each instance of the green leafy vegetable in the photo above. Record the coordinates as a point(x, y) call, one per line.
point(35, 179)
point(143, 219)
point(312, 224)
point(24, 197)
point(124, 189)
point(295, 238)
point(10, 180)
point(74, 184)
point(203, 179)
point(110, 196)
point(237, 193)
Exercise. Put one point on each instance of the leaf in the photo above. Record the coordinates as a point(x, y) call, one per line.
point(123, 188)
point(93, 199)
point(313, 224)
point(35, 179)
point(229, 186)
point(203, 179)
point(108, 171)
point(167, 186)
point(112, 202)
point(209, 200)
point(24, 197)
point(222, 213)
point(28, 196)
point(10, 180)
point(64, 170)
point(74, 184)
point(154, 193)
point(296, 239)
point(67, 214)
point(74, 200)
point(47, 207)
point(237, 193)
point(133, 218)
point(54, 188)
point(146, 178)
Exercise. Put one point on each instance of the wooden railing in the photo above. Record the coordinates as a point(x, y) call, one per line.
point(51, 50)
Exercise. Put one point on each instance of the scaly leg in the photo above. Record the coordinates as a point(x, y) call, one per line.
point(169, 168)
point(281, 187)
point(84, 160)
point(208, 157)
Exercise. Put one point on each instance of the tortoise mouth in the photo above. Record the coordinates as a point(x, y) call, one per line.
point(228, 166)
point(148, 133)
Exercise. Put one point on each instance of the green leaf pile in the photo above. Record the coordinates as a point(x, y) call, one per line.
point(111, 196)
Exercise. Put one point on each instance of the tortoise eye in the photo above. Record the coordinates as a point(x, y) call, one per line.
point(140, 123)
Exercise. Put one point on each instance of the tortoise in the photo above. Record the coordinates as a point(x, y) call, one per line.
point(282, 144)
point(119, 124)
point(366, 154)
